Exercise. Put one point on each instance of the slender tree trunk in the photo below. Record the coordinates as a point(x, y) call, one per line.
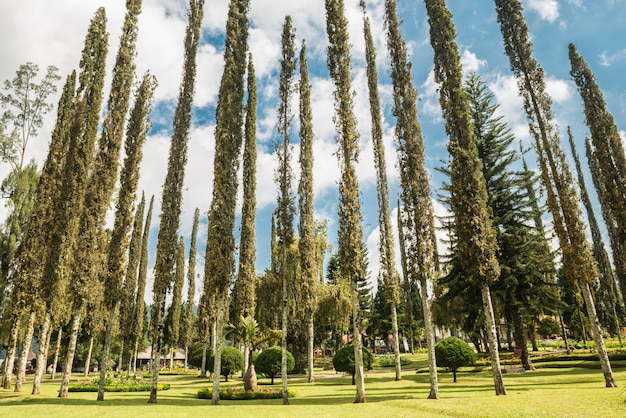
point(429, 330)
point(89, 352)
point(135, 353)
point(21, 365)
point(285, 313)
point(71, 350)
point(533, 336)
point(42, 356)
point(106, 350)
point(596, 331)
point(120, 362)
point(520, 338)
point(171, 359)
point(156, 365)
point(57, 349)
point(218, 343)
point(359, 374)
point(9, 360)
point(490, 323)
point(396, 340)
point(582, 326)
point(203, 367)
point(311, 337)
point(564, 335)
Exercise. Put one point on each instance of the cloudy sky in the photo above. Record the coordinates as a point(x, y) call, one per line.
point(52, 33)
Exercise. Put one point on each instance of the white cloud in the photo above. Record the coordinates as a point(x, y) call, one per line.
point(559, 90)
point(607, 58)
point(470, 62)
point(547, 9)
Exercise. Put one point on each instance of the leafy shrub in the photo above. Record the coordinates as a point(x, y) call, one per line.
point(453, 352)
point(237, 393)
point(390, 361)
point(269, 362)
point(344, 360)
point(122, 382)
point(231, 361)
point(548, 327)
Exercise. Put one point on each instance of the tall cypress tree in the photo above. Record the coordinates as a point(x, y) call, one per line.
point(138, 313)
point(607, 279)
point(608, 150)
point(116, 260)
point(306, 229)
point(578, 263)
point(220, 262)
point(246, 278)
point(172, 320)
point(191, 285)
point(32, 252)
point(477, 244)
point(414, 179)
point(350, 234)
point(385, 245)
point(164, 268)
point(285, 205)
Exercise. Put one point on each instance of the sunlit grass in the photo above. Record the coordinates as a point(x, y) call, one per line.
point(564, 392)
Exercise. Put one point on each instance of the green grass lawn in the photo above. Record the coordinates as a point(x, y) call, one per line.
point(546, 392)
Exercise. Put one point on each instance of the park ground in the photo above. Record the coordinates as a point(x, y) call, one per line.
point(558, 389)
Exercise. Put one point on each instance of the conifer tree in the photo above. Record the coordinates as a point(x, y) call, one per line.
point(164, 269)
point(137, 332)
point(607, 279)
point(172, 320)
point(385, 245)
point(220, 262)
point(191, 285)
point(608, 150)
point(578, 263)
point(246, 278)
point(306, 228)
point(116, 259)
point(414, 180)
point(285, 205)
point(129, 291)
point(477, 244)
point(350, 234)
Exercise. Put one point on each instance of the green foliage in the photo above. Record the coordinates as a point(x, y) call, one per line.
point(117, 383)
point(453, 352)
point(269, 362)
point(237, 393)
point(390, 361)
point(344, 359)
point(548, 327)
point(231, 361)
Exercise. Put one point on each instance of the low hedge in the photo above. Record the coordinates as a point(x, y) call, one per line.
point(237, 393)
point(390, 361)
point(147, 387)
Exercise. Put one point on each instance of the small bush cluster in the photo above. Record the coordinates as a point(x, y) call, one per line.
point(390, 361)
point(121, 382)
point(237, 393)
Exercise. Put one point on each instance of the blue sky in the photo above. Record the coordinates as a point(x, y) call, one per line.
point(52, 33)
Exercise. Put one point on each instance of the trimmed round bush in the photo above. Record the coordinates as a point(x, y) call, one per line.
point(270, 360)
point(231, 361)
point(344, 360)
point(453, 352)
point(238, 393)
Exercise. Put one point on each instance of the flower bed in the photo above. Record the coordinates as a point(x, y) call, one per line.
point(235, 392)
point(117, 383)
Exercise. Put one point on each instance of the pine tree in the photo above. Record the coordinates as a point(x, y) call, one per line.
point(306, 229)
point(191, 285)
point(476, 237)
point(246, 279)
point(414, 180)
point(608, 150)
point(578, 263)
point(350, 235)
point(220, 262)
point(172, 188)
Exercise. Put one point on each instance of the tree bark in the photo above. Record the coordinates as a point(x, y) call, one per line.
point(596, 331)
point(396, 341)
point(57, 349)
point(42, 356)
point(218, 343)
point(21, 365)
point(490, 324)
point(311, 337)
point(106, 349)
point(359, 377)
point(9, 360)
point(89, 352)
point(430, 339)
point(71, 350)
point(156, 366)
point(520, 338)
